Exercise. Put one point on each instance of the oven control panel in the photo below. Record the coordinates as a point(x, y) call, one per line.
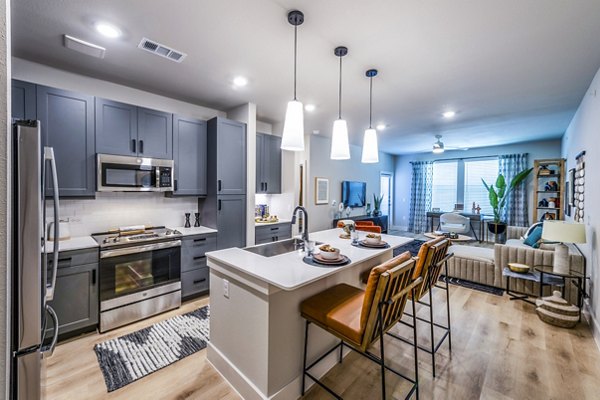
point(165, 175)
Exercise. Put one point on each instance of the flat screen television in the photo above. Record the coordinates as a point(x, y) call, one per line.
point(354, 194)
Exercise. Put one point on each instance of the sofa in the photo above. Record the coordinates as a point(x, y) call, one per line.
point(485, 265)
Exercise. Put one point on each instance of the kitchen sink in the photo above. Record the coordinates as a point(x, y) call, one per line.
point(277, 248)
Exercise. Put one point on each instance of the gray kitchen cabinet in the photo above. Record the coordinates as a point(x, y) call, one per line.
point(194, 271)
point(116, 128)
point(189, 154)
point(268, 164)
point(228, 139)
point(23, 100)
point(76, 295)
point(155, 134)
point(127, 130)
point(231, 221)
point(67, 122)
point(272, 232)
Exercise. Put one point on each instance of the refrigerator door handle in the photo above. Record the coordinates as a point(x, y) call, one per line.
point(49, 156)
point(48, 351)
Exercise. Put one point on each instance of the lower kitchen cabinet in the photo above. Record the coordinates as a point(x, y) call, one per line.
point(194, 271)
point(231, 221)
point(76, 293)
point(273, 232)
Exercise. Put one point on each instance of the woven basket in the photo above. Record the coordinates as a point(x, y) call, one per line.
point(555, 310)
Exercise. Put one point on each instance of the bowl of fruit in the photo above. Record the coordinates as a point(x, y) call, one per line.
point(373, 238)
point(329, 253)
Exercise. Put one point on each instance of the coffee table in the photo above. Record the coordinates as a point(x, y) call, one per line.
point(460, 238)
point(533, 276)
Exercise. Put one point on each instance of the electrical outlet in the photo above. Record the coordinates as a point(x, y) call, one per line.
point(226, 288)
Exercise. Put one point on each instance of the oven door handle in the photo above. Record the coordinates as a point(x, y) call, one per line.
point(139, 249)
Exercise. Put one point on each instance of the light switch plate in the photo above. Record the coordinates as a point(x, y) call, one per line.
point(226, 288)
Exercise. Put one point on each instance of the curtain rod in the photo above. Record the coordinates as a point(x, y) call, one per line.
point(461, 158)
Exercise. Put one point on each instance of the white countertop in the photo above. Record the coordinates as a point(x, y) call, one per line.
point(74, 243)
point(200, 230)
point(288, 271)
point(280, 221)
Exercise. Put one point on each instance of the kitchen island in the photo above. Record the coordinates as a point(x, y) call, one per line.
point(256, 332)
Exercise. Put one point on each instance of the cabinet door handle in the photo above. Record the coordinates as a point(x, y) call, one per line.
point(175, 185)
point(219, 205)
point(133, 145)
point(219, 185)
point(197, 281)
point(199, 257)
point(93, 277)
point(266, 186)
point(201, 239)
point(66, 259)
point(141, 146)
point(274, 229)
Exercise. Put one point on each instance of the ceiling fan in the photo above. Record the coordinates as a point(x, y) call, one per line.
point(439, 148)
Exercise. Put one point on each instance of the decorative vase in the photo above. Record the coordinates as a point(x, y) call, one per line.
point(196, 220)
point(348, 212)
point(368, 210)
point(376, 213)
point(187, 220)
point(497, 228)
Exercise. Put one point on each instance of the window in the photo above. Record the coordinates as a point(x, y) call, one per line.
point(445, 182)
point(475, 170)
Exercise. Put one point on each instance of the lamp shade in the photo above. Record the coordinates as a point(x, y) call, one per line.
point(564, 232)
point(293, 127)
point(340, 148)
point(370, 150)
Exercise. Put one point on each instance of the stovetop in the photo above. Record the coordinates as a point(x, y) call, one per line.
point(124, 238)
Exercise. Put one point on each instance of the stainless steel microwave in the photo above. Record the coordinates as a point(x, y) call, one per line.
point(133, 174)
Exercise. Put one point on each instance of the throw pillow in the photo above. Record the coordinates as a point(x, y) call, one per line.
point(534, 237)
point(531, 228)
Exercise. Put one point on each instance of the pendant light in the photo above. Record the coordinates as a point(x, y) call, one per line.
point(340, 148)
point(370, 150)
point(293, 126)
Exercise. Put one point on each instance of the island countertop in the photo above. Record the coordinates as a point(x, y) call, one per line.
point(288, 271)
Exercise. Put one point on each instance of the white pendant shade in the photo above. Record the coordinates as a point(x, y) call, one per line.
point(370, 150)
point(293, 127)
point(340, 148)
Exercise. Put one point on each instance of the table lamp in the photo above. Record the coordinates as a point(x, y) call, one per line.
point(563, 232)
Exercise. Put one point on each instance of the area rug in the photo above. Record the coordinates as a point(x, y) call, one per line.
point(413, 247)
point(474, 286)
point(130, 357)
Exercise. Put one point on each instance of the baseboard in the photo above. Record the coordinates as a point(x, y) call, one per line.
point(592, 321)
point(248, 391)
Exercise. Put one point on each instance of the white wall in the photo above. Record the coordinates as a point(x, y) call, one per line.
point(5, 190)
point(320, 216)
point(583, 134)
point(403, 170)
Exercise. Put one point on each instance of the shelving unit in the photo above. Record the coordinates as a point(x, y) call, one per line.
point(548, 172)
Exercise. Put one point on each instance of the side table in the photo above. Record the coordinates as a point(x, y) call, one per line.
point(548, 271)
point(533, 276)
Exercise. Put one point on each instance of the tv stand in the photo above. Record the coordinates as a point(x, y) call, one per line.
point(381, 221)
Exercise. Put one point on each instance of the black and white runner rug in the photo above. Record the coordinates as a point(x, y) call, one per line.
point(130, 357)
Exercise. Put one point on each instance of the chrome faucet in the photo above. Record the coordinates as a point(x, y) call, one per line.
point(305, 224)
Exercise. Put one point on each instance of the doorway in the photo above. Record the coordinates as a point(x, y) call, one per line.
point(386, 190)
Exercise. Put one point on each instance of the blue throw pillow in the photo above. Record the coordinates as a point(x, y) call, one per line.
point(534, 237)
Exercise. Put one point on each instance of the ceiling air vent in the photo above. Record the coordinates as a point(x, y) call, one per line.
point(161, 50)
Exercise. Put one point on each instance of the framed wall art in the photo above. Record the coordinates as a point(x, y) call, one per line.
point(321, 191)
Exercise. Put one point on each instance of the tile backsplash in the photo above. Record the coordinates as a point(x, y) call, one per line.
point(112, 210)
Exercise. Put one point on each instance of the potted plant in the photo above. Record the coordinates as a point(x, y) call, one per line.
point(498, 194)
point(377, 205)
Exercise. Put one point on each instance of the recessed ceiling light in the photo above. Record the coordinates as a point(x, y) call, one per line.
point(316, 132)
point(240, 81)
point(108, 30)
point(310, 107)
point(381, 127)
point(449, 114)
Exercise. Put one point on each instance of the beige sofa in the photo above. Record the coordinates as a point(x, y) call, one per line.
point(484, 265)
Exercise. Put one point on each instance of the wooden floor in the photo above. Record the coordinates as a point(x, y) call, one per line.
point(500, 350)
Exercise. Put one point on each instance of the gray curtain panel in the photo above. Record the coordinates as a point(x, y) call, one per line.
point(515, 213)
point(420, 195)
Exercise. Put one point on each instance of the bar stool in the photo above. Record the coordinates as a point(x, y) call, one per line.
point(359, 318)
point(433, 255)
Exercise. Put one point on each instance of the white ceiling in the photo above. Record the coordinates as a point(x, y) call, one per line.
point(514, 70)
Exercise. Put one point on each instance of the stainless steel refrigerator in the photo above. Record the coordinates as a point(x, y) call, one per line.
point(32, 281)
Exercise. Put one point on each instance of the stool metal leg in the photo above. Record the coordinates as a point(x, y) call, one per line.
point(431, 326)
point(341, 350)
point(379, 317)
point(304, 357)
point(448, 307)
point(414, 317)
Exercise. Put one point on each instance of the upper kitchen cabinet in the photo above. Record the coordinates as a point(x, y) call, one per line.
point(227, 142)
point(189, 154)
point(127, 130)
point(268, 164)
point(155, 134)
point(23, 100)
point(116, 128)
point(67, 122)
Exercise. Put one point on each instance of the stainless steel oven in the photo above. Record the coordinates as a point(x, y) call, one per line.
point(137, 281)
point(133, 174)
